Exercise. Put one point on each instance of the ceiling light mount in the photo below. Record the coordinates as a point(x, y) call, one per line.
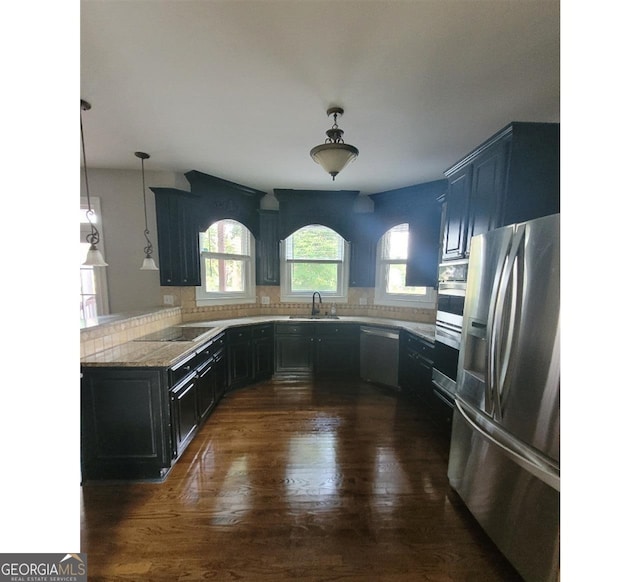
point(333, 155)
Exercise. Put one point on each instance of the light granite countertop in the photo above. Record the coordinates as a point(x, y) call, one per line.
point(164, 354)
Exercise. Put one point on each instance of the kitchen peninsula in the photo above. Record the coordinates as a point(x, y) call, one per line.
point(143, 400)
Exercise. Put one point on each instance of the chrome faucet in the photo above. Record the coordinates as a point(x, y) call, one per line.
point(315, 310)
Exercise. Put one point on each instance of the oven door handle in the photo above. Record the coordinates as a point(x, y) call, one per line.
point(448, 327)
point(453, 340)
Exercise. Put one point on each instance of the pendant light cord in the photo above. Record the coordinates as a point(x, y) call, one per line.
point(149, 248)
point(93, 238)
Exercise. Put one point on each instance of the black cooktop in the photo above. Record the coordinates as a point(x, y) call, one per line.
point(175, 334)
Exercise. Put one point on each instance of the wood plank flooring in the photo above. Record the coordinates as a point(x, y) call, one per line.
point(296, 480)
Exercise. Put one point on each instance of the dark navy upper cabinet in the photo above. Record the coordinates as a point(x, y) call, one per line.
point(419, 207)
point(219, 199)
point(487, 190)
point(331, 208)
point(178, 243)
point(512, 177)
point(268, 249)
point(181, 215)
point(362, 264)
point(456, 211)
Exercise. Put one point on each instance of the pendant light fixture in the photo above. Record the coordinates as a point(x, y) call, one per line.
point(333, 155)
point(94, 256)
point(148, 264)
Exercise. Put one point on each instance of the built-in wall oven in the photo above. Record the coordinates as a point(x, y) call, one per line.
point(452, 286)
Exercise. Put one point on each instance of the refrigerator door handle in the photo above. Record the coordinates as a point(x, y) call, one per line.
point(490, 380)
point(510, 281)
point(523, 455)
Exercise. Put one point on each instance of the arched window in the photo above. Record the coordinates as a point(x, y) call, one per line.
point(391, 271)
point(314, 258)
point(227, 264)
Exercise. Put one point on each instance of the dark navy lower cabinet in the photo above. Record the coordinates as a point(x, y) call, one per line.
point(416, 365)
point(325, 349)
point(136, 422)
point(184, 412)
point(125, 424)
point(250, 354)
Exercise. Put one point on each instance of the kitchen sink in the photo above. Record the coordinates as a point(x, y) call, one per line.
point(314, 317)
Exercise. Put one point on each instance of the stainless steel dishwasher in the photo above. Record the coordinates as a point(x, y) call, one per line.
point(379, 355)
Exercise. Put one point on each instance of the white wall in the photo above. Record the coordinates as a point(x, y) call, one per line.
point(120, 193)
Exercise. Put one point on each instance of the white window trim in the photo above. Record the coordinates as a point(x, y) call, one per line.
point(381, 297)
point(288, 296)
point(204, 299)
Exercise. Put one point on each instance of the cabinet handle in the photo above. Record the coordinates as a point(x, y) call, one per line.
point(181, 396)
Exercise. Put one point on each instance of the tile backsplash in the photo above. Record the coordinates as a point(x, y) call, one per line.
point(184, 310)
point(359, 303)
point(125, 329)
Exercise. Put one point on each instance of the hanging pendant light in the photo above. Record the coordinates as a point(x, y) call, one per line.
point(333, 155)
point(94, 256)
point(148, 264)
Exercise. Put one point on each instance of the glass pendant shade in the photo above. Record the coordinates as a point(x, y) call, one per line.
point(148, 264)
point(94, 258)
point(333, 157)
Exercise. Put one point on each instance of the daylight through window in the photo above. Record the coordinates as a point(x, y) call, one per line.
point(226, 251)
point(391, 270)
point(315, 260)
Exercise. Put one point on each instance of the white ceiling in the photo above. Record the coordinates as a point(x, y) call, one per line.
point(239, 89)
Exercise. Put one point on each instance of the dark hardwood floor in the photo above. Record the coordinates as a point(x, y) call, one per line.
point(296, 480)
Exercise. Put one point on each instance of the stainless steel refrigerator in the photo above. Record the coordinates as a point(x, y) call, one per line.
point(504, 459)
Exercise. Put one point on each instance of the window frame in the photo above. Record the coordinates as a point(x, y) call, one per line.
point(204, 298)
point(382, 297)
point(287, 295)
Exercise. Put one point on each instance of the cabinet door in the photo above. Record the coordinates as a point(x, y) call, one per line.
point(416, 359)
point(219, 375)
point(362, 263)
point(206, 389)
point(178, 244)
point(124, 424)
point(240, 364)
point(184, 413)
point(457, 206)
point(487, 191)
point(294, 353)
point(424, 236)
point(337, 350)
point(263, 358)
point(268, 250)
